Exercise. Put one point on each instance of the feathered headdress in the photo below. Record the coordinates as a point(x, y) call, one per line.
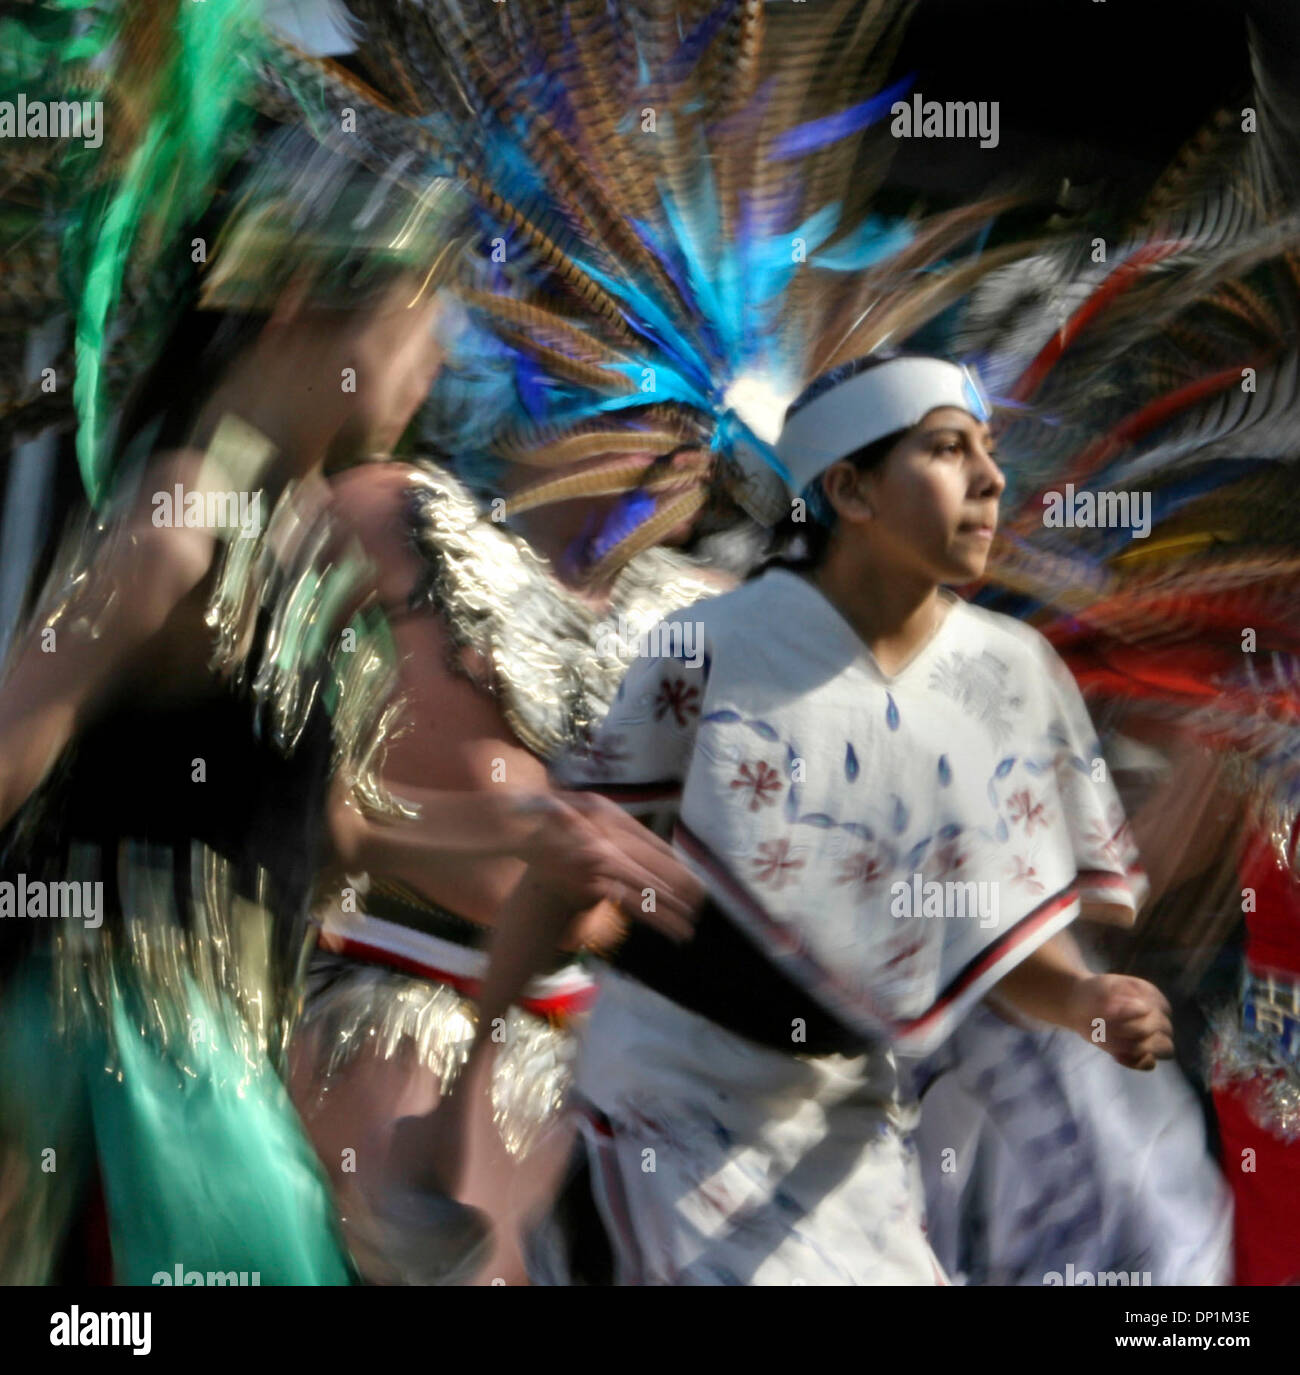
point(678, 203)
point(1155, 442)
point(98, 238)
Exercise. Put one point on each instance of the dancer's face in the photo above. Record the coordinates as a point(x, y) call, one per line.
point(355, 377)
point(395, 350)
point(931, 507)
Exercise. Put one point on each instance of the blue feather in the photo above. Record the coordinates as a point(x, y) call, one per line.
point(818, 133)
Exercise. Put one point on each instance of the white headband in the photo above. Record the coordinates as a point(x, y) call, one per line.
point(869, 405)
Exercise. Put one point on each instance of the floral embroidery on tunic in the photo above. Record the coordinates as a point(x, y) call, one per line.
point(864, 868)
point(759, 781)
point(1022, 871)
point(679, 697)
point(774, 865)
point(1021, 807)
point(977, 683)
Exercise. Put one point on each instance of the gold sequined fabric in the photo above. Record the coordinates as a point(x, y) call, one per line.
point(226, 967)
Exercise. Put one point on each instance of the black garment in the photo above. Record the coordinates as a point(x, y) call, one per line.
point(131, 776)
point(722, 975)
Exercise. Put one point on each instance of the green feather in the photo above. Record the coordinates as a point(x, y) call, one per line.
point(167, 181)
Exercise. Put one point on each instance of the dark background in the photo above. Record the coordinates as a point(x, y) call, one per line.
point(1108, 90)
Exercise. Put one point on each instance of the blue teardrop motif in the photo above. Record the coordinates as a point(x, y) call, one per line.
point(856, 828)
point(763, 729)
point(851, 766)
point(916, 852)
point(1000, 830)
point(818, 819)
point(900, 814)
point(945, 771)
point(891, 712)
point(1005, 766)
point(722, 717)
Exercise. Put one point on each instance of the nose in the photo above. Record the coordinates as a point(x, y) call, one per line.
point(987, 479)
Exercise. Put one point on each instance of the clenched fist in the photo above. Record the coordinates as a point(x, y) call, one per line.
point(1127, 1017)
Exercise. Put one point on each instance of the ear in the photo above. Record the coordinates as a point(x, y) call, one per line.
point(846, 489)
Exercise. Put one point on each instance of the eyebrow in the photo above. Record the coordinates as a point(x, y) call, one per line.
point(986, 435)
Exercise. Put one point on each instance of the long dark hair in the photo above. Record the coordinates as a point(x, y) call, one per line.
point(801, 544)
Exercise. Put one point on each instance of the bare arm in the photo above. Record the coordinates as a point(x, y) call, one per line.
point(1042, 986)
point(1126, 1017)
point(590, 851)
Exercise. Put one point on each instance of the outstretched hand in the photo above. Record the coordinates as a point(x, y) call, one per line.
point(587, 851)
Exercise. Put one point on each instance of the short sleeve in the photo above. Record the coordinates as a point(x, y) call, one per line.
point(1111, 884)
point(641, 752)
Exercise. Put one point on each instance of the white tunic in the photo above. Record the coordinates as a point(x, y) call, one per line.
point(838, 814)
point(895, 843)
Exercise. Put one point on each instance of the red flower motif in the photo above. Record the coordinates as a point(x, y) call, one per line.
point(948, 858)
point(1104, 844)
point(775, 866)
point(1023, 872)
point(760, 780)
point(679, 697)
point(1022, 807)
point(863, 868)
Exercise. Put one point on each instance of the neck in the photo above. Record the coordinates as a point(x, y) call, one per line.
point(893, 613)
point(300, 442)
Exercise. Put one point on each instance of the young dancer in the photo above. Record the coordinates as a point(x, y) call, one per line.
point(508, 652)
point(891, 798)
point(186, 724)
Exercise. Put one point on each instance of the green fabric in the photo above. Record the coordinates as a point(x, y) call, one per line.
point(205, 1168)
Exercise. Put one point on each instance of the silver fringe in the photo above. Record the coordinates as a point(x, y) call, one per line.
point(354, 1007)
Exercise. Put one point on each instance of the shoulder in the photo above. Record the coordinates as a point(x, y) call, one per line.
point(372, 503)
point(1029, 655)
point(371, 498)
point(733, 606)
point(1005, 636)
